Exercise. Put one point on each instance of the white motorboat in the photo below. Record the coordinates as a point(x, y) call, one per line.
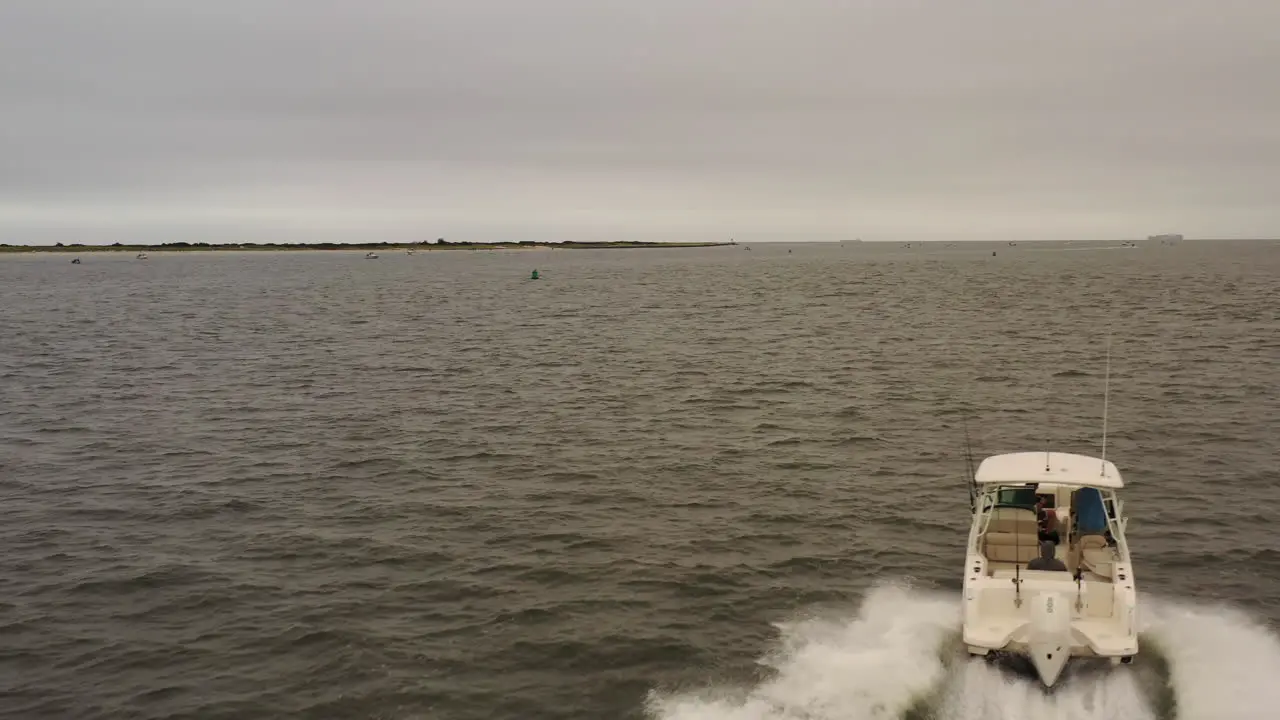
point(1084, 605)
point(371, 256)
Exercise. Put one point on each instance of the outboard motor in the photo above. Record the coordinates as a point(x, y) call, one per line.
point(1049, 643)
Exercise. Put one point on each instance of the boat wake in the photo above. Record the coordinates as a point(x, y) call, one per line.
point(900, 657)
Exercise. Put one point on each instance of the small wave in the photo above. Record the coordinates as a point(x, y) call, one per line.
point(802, 465)
point(565, 477)
point(479, 455)
point(123, 580)
point(359, 463)
point(859, 440)
point(209, 508)
point(57, 429)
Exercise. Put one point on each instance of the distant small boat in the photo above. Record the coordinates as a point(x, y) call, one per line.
point(371, 256)
point(140, 256)
point(75, 261)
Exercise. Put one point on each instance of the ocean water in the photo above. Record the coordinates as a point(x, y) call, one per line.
point(695, 484)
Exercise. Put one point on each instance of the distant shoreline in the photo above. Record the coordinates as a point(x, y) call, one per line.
point(374, 247)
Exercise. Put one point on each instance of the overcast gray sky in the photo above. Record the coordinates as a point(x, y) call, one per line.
point(261, 120)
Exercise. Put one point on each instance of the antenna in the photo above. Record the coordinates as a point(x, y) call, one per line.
point(1106, 398)
point(968, 468)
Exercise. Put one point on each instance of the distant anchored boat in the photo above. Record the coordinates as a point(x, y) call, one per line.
point(1167, 238)
point(371, 256)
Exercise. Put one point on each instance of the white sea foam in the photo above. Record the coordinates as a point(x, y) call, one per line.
point(900, 653)
point(1224, 665)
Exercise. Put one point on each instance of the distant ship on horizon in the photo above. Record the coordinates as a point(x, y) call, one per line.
point(1168, 237)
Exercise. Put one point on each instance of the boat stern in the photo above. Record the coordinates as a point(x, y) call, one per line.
point(1048, 620)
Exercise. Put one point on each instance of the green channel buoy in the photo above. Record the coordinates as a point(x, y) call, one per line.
point(534, 276)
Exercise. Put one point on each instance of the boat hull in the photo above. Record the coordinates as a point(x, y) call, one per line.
point(1048, 620)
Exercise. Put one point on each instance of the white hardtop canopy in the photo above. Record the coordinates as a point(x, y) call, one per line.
point(1048, 467)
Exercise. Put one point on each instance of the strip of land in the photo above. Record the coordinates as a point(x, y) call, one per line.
point(417, 247)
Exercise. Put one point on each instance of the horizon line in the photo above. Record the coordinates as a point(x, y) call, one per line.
point(416, 243)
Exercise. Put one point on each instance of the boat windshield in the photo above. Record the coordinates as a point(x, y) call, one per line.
point(1017, 497)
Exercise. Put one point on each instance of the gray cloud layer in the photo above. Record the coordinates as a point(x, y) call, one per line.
point(670, 119)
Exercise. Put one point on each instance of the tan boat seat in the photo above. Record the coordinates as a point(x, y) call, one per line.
point(1007, 547)
point(1013, 520)
point(1094, 555)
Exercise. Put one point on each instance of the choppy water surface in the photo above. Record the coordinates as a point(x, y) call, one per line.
point(665, 484)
